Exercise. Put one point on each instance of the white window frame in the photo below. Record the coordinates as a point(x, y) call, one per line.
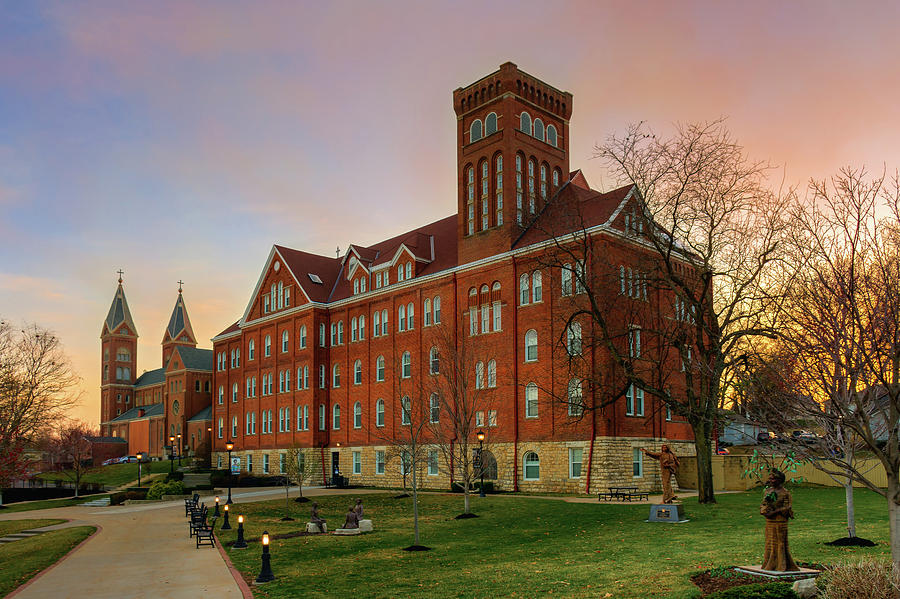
point(534, 464)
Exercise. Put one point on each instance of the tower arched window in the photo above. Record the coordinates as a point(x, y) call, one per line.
point(555, 177)
point(426, 312)
point(401, 318)
point(531, 400)
point(405, 410)
point(485, 185)
point(302, 337)
point(575, 398)
point(479, 375)
point(539, 129)
point(410, 313)
point(551, 136)
point(362, 327)
point(470, 200)
point(475, 130)
point(490, 124)
point(531, 196)
point(251, 349)
point(573, 339)
point(525, 123)
point(436, 309)
point(498, 189)
point(544, 182)
point(354, 330)
point(520, 193)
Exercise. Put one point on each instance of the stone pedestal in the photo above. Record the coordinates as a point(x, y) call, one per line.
point(347, 531)
point(312, 527)
point(775, 574)
point(366, 526)
point(667, 512)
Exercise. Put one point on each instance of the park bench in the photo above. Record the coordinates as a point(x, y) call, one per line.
point(190, 503)
point(204, 534)
point(198, 519)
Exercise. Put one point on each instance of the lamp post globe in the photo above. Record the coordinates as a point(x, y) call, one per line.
point(140, 457)
point(226, 525)
point(240, 543)
point(171, 454)
point(265, 574)
point(229, 446)
point(179, 449)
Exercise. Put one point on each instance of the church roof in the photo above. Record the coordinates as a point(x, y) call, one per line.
point(119, 313)
point(151, 377)
point(179, 323)
point(196, 359)
point(202, 415)
point(155, 409)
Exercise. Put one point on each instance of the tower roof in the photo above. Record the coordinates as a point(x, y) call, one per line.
point(179, 323)
point(119, 313)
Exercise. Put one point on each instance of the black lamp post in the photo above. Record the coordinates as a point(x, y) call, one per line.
point(265, 574)
point(179, 449)
point(171, 454)
point(226, 525)
point(240, 543)
point(480, 435)
point(228, 447)
point(140, 456)
point(216, 513)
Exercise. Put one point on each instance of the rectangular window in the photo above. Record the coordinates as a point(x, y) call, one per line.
point(249, 462)
point(321, 417)
point(306, 418)
point(379, 462)
point(221, 427)
point(321, 376)
point(322, 335)
point(357, 462)
point(497, 321)
point(432, 462)
point(492, 417)
point(479, 418)
point(473, 321)
point(668, 414)
point(485, 319)
point(281, 462)
point(637, 463)
point(265, 463)
point(634, 342)
point(437, 310)
point(575, 454)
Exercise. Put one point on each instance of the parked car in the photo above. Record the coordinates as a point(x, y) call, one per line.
point(805, 437)
point(111, 461)
point(763, 439)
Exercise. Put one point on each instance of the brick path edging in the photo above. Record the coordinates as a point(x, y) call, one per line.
point(97, 529)
point(242, 584)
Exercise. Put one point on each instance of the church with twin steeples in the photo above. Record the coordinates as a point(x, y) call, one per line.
point(149, 409)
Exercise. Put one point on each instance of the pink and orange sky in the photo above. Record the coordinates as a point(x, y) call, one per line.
point(180, 140)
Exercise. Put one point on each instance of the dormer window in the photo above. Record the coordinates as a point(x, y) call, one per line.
point(265, 304)
point(378, 281)
point(355, 286)
point(475, 130)
point(400, 273)
point(362, 285)
point(490, 124)
point(409, 270)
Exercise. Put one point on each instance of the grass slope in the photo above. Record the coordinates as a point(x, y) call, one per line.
point(23, 559)
point(10, 526)
point(112, 475)
point(44, 504)
point(523, 547)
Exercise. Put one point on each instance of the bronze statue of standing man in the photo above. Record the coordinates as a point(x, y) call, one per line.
point(776, 509)
point(668, 464)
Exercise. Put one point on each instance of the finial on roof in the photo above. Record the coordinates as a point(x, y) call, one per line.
point(121, 272)
point(180, 283)
point(337, 252)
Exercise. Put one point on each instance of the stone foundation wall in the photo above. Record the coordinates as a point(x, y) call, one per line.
point(612, 465)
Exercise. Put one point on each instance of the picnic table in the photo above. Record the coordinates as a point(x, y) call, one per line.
point(622, 494)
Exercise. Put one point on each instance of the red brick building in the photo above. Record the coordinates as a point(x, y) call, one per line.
point(322, 354)
point(147, 410)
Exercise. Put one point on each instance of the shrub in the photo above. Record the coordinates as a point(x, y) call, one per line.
point(770, 590)
point(870, 578)
point(161, 488)
point(117, 498)
point(175, 476)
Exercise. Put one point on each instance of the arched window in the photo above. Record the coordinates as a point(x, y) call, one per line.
point(284, 341)
point(575, 398)
point(531, 349)
point(268, 346)
point(525, 123)
point(544, 182)
point(434, 408)
point(379, 413)
point(405, 410)
point(573, 339)
point(426, 312)
point(376, 323)
point(556, 177)
point(523, 289)
point(221, 394)
point(434, 361)
point(479, 375)
point(354, 330)
point(362, 327)
point(379, 368)
point(470, 199)
point(357, 372)
point(399, 272)
point(475, 130)
point(531, 194)
point(336, 375)
point(520, 186)
point(234, 393)
point(251, 349)
point(485, 185)
point(302, 337)
point(492, 374)
point(488, 465)
point(406, 365)
point(401, 318)
point(539, 129)
point(384, 322)
point(532, 466)
point(357, 415)
point(341, 332)
point(410, 310)
point(531, 400)
point(551, 135)
point(490, 124)
point(118, 373)
point(336, 417)
point(409, 270)
point(437, 309)
point(537, 290)
point(498, 189)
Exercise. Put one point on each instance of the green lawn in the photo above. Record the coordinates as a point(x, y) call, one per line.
point(23, 559)
point(536, 547)
point(10, 526)
point(113, 475)
point(27, 506)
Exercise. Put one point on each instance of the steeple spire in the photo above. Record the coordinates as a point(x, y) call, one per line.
point(119, 314)
point(179, 329)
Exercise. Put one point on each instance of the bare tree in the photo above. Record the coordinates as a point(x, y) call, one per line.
point(299, 464)
point(71, 450)
point(36, 388)
point(702, 231)
point(461, 388)
point(843, 325)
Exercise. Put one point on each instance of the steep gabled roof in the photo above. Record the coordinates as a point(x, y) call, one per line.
point(119, 313)
point(195, 358)
point(155, 409)
point(235, 327)
point(204, 414)
point(303, 264)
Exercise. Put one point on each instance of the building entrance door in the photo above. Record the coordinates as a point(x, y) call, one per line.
point(335, 463)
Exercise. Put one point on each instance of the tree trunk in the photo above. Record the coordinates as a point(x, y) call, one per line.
point(851, 513)
point(1, 497)
point(466, 494)
point(415, 506)
point(703, 444)
point(894, 511)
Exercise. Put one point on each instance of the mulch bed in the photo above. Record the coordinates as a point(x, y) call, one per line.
point(851, 542)
point(417, 548)
point(464, 516)
point(710, 581)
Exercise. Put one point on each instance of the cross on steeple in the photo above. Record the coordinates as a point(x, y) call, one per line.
point(180, 283)
point(121, 272)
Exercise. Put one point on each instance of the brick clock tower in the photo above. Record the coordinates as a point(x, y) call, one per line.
point(512, 156)
point(118, 345)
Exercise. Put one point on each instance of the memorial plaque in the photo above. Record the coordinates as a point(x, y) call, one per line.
point(667, 512)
